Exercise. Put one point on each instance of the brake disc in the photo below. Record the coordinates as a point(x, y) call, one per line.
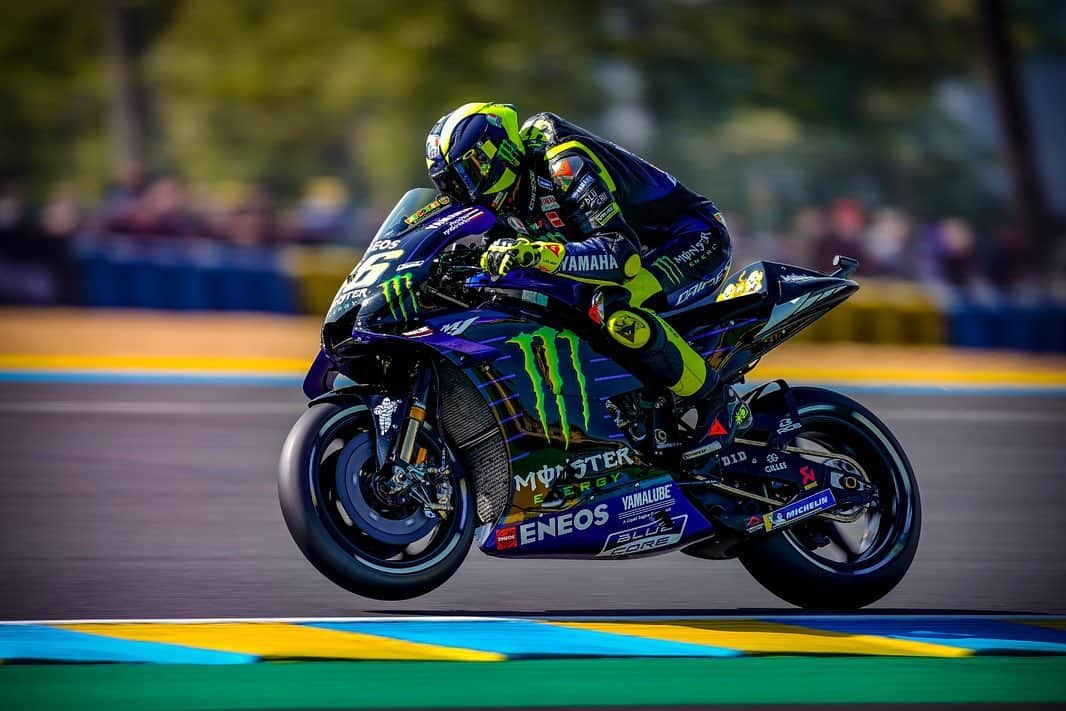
point(387, 526)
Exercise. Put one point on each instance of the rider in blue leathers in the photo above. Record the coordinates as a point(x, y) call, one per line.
point(581, 207)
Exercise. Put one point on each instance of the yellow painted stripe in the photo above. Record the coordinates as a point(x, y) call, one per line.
point(216, 364)
point(15, 361)
point(917, 376)
point(280, 640)
point(769, 638)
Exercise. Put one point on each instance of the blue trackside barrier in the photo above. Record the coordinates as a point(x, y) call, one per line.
point(183, 275)
point(199, 275)
point(1038, 327)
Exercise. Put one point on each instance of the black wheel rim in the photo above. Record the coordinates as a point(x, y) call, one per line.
point(882, 465)
point(346, 428)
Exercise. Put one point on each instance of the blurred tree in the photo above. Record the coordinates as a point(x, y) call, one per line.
point(1001, 53)
point(55, 87)
point(285, 90)
point(863, 72)
point(51, 89)
point(738, 93)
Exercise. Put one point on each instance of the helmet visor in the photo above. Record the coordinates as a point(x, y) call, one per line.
point(465, 177)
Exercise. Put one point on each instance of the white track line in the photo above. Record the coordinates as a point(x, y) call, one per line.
point(799, 618)
point(94, 407)
point(998, 416)
point(223, 620)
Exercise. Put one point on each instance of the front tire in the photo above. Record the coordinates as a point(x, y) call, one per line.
point(790, 566)
point(314, 512)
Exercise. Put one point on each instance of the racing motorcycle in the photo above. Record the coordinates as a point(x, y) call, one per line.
point(447, 406)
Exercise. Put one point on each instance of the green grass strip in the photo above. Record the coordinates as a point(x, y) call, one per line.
point(320, 685)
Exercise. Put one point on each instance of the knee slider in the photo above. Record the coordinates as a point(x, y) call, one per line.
point(630, 329)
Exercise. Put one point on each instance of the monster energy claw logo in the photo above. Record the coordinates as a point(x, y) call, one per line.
point(669, 269)
point(509, 152)
point(545, 367)
point(396, 290)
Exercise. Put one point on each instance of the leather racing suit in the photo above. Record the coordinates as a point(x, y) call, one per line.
point(641, 237)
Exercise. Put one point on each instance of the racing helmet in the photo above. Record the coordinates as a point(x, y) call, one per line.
point(473, 154)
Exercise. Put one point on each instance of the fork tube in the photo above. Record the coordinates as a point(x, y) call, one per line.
point(415, 418)
point(416, 415)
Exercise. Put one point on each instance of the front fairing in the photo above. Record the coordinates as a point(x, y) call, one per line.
point(383, 286)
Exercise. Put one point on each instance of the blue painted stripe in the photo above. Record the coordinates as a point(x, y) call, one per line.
point(503, 399)
point(985, 636)
point(526, 638)
point(605, 378)
point(41, 643)
point(498, 380)
point(947, 390)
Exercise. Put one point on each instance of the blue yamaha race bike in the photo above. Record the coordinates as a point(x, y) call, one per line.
point(448, 407)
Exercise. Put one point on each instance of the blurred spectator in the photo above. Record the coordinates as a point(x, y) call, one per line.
point(163, 209)
point(62, 215)
point(847, 223)
point(29, 264)
point(946, 254)
point(122, 195)
point(888, 244)
point(324, 214)
point(254, 220)
point(1012, 266)
point(1057, 285)
point(808, 225)
point(17, 225)
point(955, 246)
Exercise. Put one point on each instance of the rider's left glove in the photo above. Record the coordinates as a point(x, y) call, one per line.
point(505, 254)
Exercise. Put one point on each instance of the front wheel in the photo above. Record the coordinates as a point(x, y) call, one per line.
point(825, 564)
point(350, 525)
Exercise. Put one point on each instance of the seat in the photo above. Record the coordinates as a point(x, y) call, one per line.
point(707, 311)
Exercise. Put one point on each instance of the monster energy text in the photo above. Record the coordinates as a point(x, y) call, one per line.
point(546, 368)
point(396, 290)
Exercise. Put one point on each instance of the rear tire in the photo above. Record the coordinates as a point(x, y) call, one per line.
point(797, 574)
point(312, 519)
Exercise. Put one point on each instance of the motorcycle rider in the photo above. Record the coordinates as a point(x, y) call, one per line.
point(581, 207)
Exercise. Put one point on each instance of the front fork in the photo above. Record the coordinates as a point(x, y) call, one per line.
point(397, 421)
point(407, 450)
point(398, 424)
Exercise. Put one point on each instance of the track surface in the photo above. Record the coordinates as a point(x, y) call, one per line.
point(151, 501)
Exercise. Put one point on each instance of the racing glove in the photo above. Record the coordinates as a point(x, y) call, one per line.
point(505, 254)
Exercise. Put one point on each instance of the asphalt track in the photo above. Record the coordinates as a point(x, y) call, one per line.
point(123, 501)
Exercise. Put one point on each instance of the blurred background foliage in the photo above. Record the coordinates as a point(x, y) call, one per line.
point(764, 105)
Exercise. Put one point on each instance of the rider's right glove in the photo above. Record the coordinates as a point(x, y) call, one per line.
point(505, 254)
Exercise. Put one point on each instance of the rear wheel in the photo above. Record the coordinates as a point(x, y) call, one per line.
point(826, 564)
point(351, 525)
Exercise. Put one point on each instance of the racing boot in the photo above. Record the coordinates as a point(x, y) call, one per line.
point(720, 418)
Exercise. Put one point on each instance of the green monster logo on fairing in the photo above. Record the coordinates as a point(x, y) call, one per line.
point(549, 345)
point(669, 269)
point(395, 290)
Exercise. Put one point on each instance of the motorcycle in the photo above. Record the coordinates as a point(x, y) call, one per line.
point(447, 406)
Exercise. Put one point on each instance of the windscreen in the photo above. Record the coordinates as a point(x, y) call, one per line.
point(399, 255)
point(411, 203)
